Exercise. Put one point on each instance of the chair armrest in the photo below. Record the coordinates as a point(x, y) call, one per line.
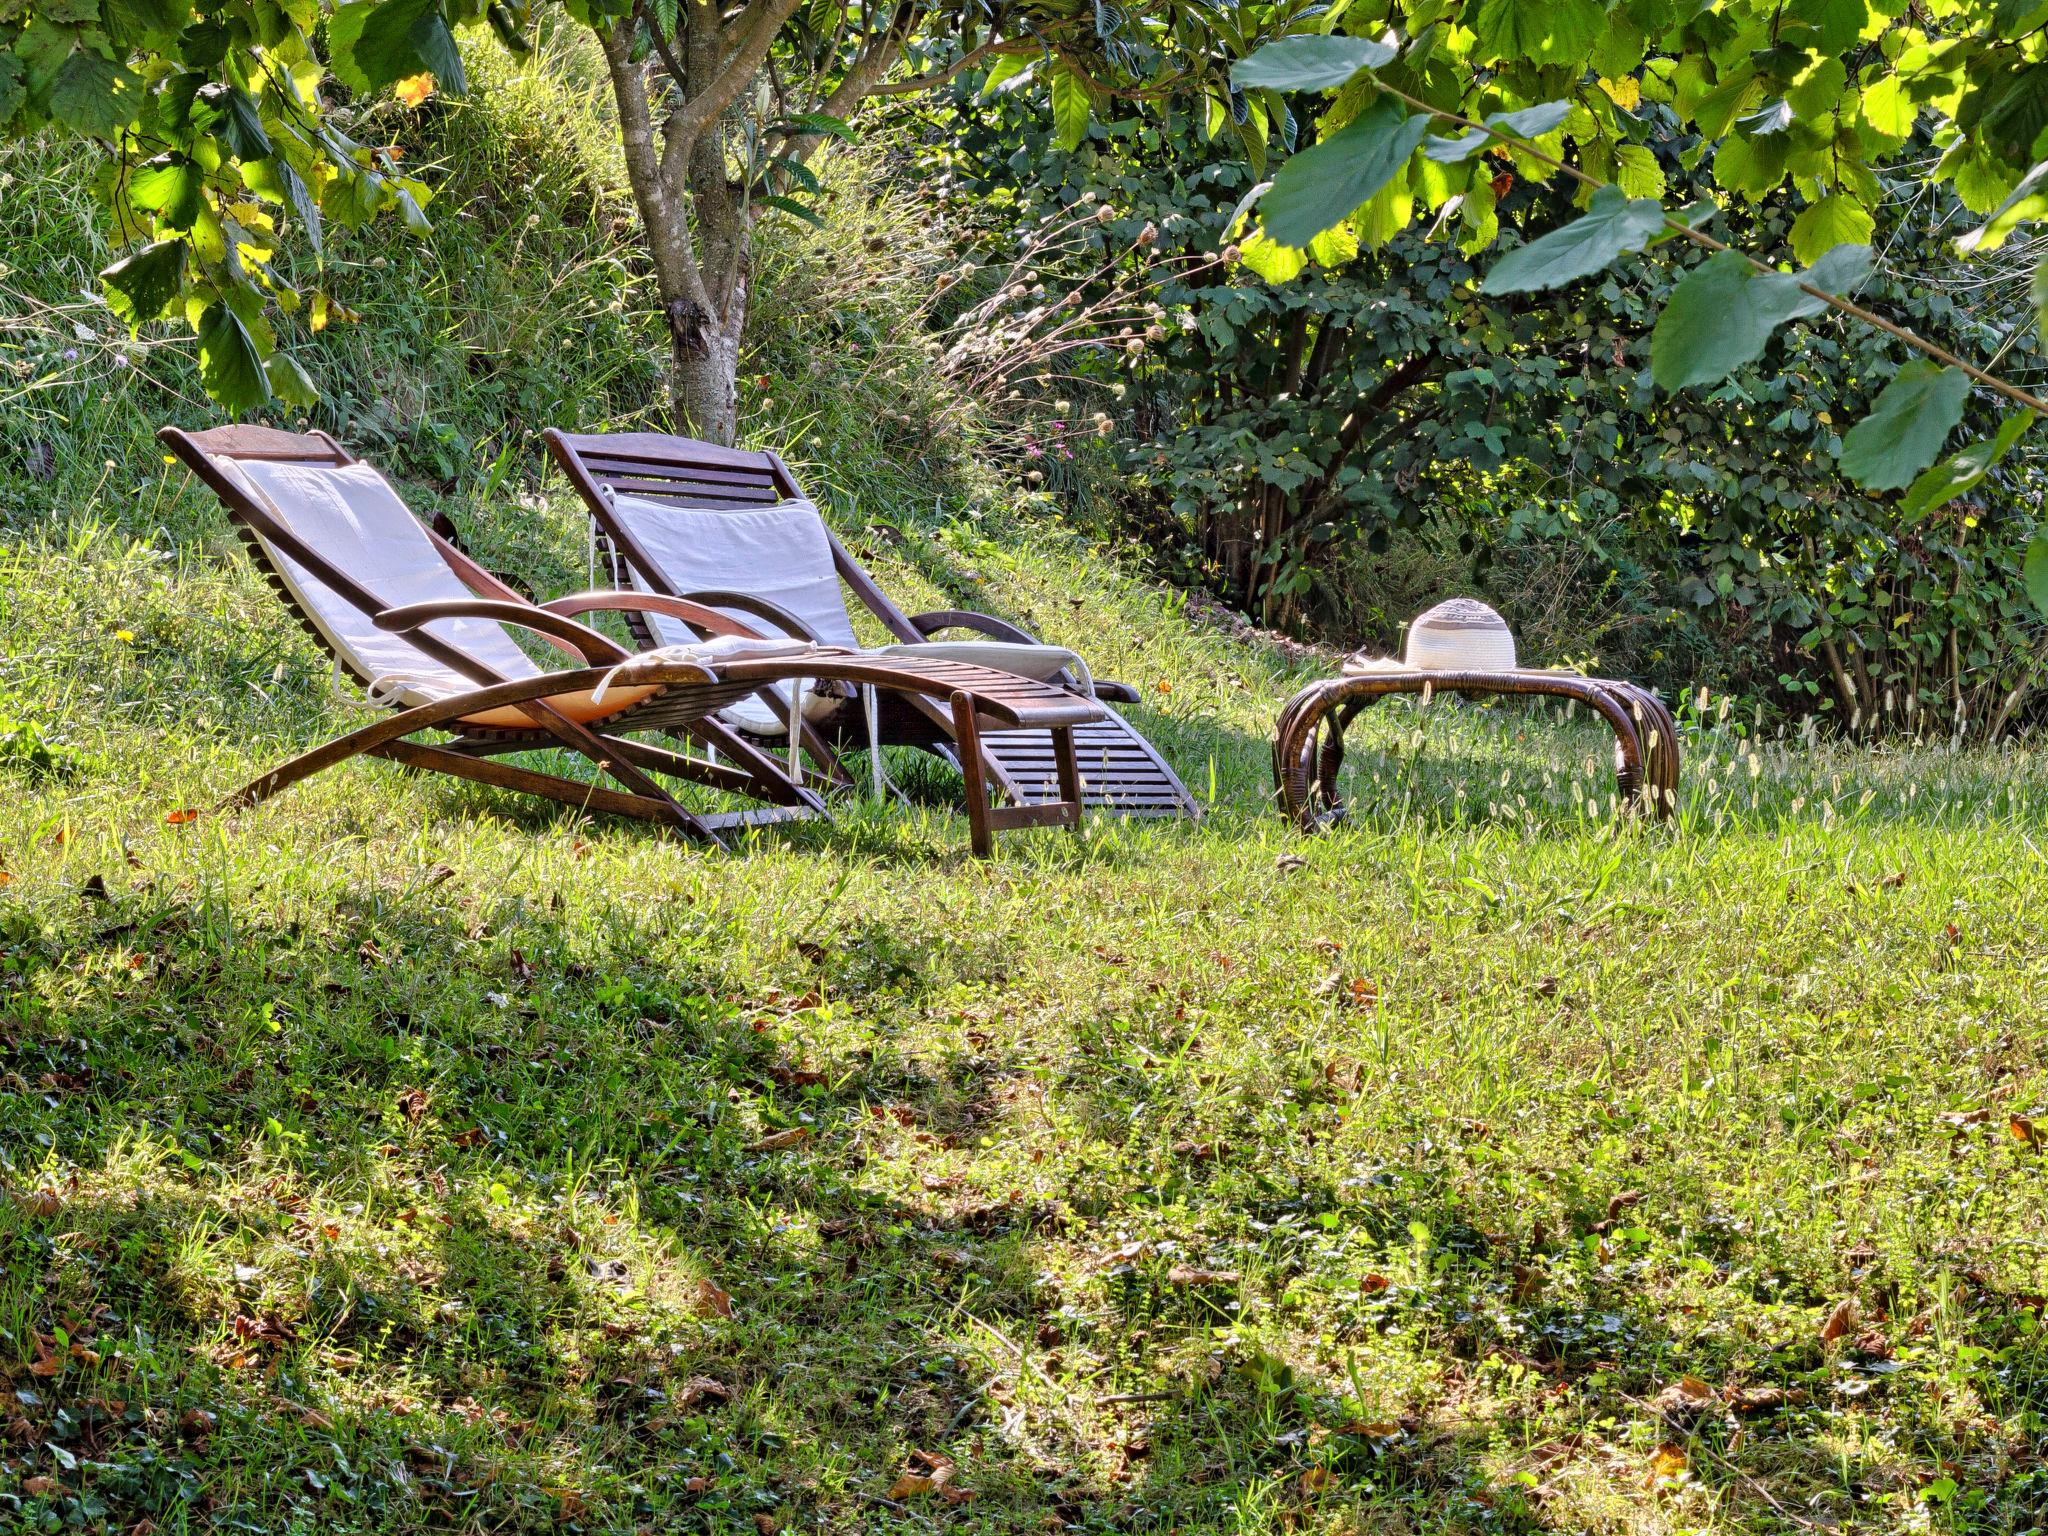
point(929, 624)
point(1117, 693)
point(692, 612)
point(761, 608)
point(597, 649)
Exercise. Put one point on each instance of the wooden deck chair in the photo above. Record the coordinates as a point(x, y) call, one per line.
point(422, 626)
point(730, 529)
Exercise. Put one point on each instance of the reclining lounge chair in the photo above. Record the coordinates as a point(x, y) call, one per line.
point(730, 530)
point(422, 627)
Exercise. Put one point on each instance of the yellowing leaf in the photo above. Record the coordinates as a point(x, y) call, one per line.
point(1637, 172)
point(1668, 1463)
point(1626, 93)
point(414, 89)
point(1836, 219)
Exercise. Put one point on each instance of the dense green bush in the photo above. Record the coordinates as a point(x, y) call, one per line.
point(1297, 445)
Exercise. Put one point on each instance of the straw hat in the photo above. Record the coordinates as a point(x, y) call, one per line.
point(1462, 635)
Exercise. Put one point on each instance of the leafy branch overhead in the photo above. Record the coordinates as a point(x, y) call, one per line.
point(1814, 101)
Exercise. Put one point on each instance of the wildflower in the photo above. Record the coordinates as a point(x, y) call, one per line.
point(71, 354)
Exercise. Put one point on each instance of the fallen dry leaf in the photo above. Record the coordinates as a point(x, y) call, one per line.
point(1372, 1285)
point(713, 1300)
point(1840, 1321)
point(413, 1104)
point(2024, 1130)
point(1685, 1400)
point(703, 1389)
point(1189, 1275)
point(779, 1139)
point(1622, 1202)
point(1764, 1399)
point(1668, 1463)
point(36, 1487)
point(910, 1486)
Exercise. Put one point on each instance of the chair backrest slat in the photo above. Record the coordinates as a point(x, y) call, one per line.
point(699, 474)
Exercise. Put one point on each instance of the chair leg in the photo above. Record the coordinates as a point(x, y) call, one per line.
point(1069, 771)
point(967, 742)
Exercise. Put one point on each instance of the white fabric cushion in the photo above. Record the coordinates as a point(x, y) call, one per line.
point(353, 519)
point(783, 554)
point(780, 553)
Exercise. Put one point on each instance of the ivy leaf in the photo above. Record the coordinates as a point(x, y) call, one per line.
point(1319, 186)
point(1524, 123)
point(1069, 110)
point(1725, 312)
point(1614, 223)
point(229, 365)
point(90, 95)
point(1309, 63)
point(142, 286)
point(1906, 427)
point(1837, 219)
point(1966, 470)
point(2035, 571)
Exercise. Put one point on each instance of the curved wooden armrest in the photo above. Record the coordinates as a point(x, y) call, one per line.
point(929, 624)
point(761, 608)
point(1117, 693)
point(593, 647)
point(692, 612)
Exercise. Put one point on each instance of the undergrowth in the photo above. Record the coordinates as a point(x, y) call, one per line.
point(404, 1157)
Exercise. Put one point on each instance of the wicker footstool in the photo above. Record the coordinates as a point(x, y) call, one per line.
point(1308, 742)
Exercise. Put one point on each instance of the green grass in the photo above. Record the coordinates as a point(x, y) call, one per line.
point(403, 1157)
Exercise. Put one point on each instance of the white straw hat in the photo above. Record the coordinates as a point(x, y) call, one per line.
point(1462, 635)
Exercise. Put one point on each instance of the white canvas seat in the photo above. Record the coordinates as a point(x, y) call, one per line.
point(782, 554)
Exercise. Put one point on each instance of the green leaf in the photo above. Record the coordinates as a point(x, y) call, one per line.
point(1319, 186)
point(1274, 262)
point(818, 123)
point(1069, 110)
point(142, 286)
point(2029, 200)
point(374, 43)
point(1638, 172)
point(242, 127)
point(2035, 571)
point(1009, 71)
point(13, 92)
point(288, 381)
point(1906, 427)
point(92, 95)
point(1725, 312)
point(1888, 109)
point(140, 23)
point(1613, 224)
point(1836, 219)
point(170, 187)
point(1837, 23)
point(1524, 123)
point(1966, 470)
point(792, 207)
point(229, 365)
point(1309, 63)
point(1537, 31)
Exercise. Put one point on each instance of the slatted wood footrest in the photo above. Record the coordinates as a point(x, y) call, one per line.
point(1120, 773)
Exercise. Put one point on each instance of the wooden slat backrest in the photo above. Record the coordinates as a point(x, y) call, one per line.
point(689, 472)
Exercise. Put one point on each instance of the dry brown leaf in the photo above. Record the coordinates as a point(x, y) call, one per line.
point(41, 1202)
point(910, 1486)
point(2025, 1130)
point(780, 1139)
point(713, 1299)
point(1315, 1479)
point(1764, 1399)
point(1372, 1285)
point(1668, 1463)
point(413, 1104)
point(703, 1389)
point(1840, 1321)
point(1188, 1275)
point(1623, 1201)
point(36, 1487)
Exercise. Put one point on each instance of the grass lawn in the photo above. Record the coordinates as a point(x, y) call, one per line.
point(402, 1157)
